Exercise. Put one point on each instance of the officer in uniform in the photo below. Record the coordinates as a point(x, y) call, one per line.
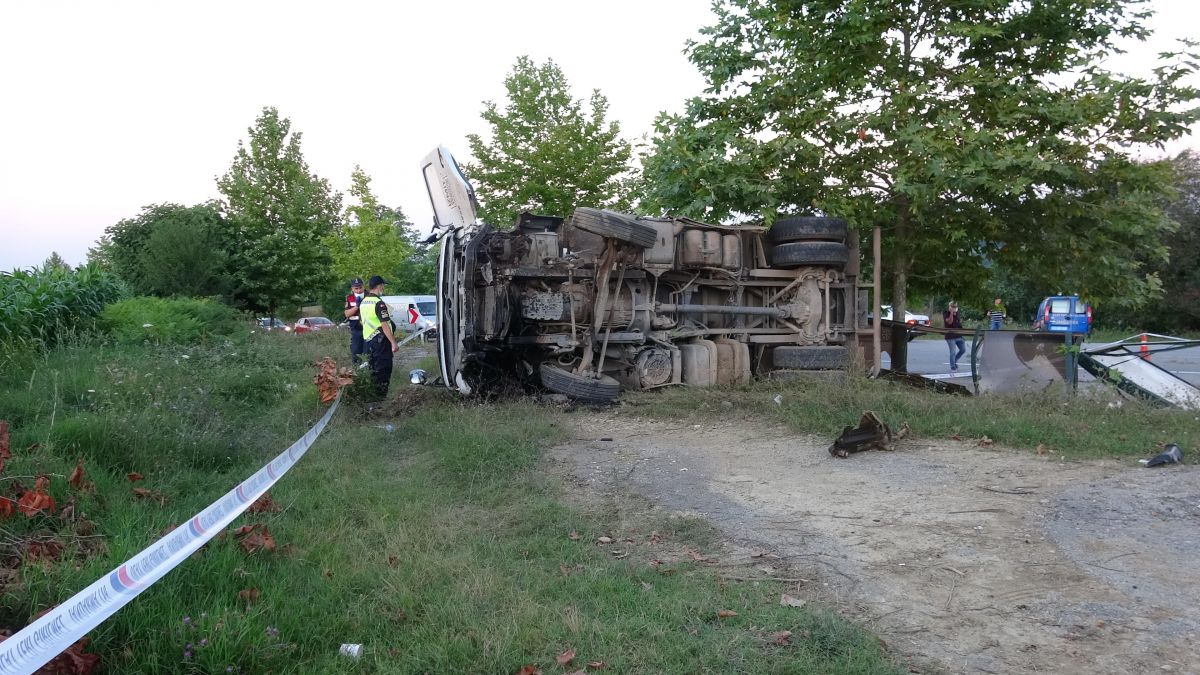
point(378, 333)
point(357, 346)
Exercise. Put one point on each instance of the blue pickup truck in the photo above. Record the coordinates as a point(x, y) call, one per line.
point(1063, 314)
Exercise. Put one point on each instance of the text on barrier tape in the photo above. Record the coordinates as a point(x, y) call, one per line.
point(58, 629)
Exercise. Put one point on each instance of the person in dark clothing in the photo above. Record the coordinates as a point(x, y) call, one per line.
point(952, 319)
point(357, 346)
point(379, 333)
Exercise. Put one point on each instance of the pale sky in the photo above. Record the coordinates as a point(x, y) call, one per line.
point(106, 107)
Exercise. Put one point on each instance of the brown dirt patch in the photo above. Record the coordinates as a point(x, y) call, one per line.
point(962, 559)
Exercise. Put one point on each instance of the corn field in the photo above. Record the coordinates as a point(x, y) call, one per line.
point(40, 305)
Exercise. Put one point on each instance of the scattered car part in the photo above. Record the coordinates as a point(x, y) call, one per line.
point(870, 434)
point(1172, 455)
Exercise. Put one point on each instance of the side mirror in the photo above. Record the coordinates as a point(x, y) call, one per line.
point(417, 376)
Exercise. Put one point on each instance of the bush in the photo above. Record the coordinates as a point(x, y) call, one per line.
point(178, 320)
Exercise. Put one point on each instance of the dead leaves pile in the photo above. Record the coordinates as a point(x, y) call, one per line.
point(330, 378)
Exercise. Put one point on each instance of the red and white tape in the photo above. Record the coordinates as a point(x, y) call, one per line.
point(58, 629)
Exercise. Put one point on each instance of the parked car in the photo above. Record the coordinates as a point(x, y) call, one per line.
point(267, 323)
point(1064, 314)
point(600, 301)
point(910, 318)
point(311, 323)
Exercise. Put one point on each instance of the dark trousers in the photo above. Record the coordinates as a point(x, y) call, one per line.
point(380, 353)
point(358, 346)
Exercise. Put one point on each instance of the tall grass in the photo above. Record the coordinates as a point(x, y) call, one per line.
point(43, 304)
point(438, 545)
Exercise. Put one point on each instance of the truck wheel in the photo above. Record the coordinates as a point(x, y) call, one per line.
point(807, 228)
point(581, 387)
point(811, 358)
point(614, 225)
point(801, 253)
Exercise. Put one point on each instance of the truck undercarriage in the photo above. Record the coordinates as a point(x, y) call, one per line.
point(601, 301)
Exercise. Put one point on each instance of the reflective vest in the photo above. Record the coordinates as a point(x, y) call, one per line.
point(371, 325)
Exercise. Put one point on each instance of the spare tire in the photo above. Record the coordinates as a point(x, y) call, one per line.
point(811, 358)
point(615, 225)
point(581, 387)
point(807, 228)
point(800, 253)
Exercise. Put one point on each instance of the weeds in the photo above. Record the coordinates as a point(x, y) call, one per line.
point(1079, 426)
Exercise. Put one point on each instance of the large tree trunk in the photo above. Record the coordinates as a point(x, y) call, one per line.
point(900, 264)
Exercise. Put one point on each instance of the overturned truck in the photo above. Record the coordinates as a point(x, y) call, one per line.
point(600, 301)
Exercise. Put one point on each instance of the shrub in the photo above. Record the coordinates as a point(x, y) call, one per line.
point(177, 320)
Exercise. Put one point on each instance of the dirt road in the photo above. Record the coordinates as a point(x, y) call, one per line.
point(962, 558)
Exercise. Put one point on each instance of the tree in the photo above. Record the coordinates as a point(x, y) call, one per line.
point(184, 253)
point(168, 249)
point(546, 154)
point(1178, 308)
point(372, 239)
point(979, 135)
point(55, 262)
point(278, 218)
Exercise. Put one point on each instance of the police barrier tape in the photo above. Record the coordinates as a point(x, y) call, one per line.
point(47, 637)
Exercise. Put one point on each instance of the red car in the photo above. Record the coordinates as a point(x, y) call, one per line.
point(310, 323)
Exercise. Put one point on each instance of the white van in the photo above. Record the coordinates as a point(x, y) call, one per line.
point(412, 313)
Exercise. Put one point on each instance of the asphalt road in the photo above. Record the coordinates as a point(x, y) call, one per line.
point(932, 359)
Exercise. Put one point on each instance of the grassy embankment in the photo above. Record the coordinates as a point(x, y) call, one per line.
point(439, 546)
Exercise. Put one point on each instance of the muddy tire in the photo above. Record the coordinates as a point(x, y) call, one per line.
point(580, 387)
point(800, 253)
point(811, 358)
point(807, 228)
point(614, 225)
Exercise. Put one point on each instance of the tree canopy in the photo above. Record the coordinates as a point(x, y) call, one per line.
point(168, 249)
point(547, 154)
point(372, 238)
point(979, 135)
point(279, 216)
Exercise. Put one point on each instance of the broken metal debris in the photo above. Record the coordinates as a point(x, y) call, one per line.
point(870, 434)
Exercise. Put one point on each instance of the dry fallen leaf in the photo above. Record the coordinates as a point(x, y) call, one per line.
point(76, 478)
point(264, 504)
point(604, 540)
point(72, 661)
point(4, 453)
point(46, 551)
point(529, 670)
point(790, 601)
point(985, 441)
point(567, 656)
point(328, 573)
point(330, 378)
point(133, 476)
point(581, 671)
point(153, 495)
point(726, 613)
point(782, 637)
point(595, 665)
point(36, 501)
point(7, 507)
point(574, 536)
point(393, 561)
point(1041, 449)
point(248, 595)
point(255, 538)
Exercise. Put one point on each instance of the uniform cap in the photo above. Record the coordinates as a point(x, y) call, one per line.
point(376, 280)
